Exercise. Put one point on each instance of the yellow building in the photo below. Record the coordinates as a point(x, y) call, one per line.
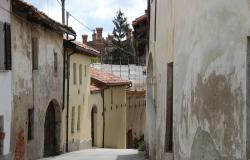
point(113, 93)
point(77, 89)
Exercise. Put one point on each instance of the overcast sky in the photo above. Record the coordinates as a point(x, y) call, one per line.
point(93, 13)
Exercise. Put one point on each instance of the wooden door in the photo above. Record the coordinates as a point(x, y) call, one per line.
point(49, 132)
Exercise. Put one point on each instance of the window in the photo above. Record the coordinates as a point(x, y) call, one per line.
point(5, 46)
point(55, 62)
point(155, 20)
point(34, 45)
point(74, 73)
point(73, 120)
point(169, 110)
point(78, 118)
point(85, 70)
point(111, 95)
point(80, 74)
point(31, 124)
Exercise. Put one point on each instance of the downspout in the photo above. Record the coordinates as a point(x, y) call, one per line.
point(103, 115)
point(64, 80)
point(67, 116)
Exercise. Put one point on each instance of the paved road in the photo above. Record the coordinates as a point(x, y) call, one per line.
point(101, 154)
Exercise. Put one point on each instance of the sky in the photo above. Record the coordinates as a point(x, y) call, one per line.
point(93, 13)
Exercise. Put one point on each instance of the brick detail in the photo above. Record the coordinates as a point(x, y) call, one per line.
point(20, 146)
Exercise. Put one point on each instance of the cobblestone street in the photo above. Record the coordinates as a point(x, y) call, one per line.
point(101, 154)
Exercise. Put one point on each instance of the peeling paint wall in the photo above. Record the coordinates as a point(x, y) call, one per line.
point(34, 88)
point(207, 41)
point(136, 114)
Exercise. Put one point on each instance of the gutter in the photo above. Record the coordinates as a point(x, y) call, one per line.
point(64, 81)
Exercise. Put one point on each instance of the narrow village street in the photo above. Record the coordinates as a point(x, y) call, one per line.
point(101, 154)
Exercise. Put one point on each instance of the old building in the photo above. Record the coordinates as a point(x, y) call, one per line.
point(198, 80)
point(37, 82)
point(113, 90)
point(98, 42)
point(77, 90)
point(5, 80)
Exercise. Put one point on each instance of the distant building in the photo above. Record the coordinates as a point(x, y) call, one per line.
point(77, 90)
point(113, 92)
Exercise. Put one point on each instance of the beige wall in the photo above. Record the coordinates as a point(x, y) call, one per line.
point(95, 99)
point(136, 113)
point(79, 94)
point(115, 119)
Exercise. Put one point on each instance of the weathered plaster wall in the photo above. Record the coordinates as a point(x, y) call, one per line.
point(33, 88)
point(115, 118)
point(210, 42)
point(97, 100)
point(207, 41)
point(136, 104)
point(78, 96)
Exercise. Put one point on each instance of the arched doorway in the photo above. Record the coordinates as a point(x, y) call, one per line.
point(52, 129)
point(151, 109)
point(94, 125)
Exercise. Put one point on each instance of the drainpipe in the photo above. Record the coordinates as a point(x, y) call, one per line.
point(64, 80)
point(103, 115)
point(67, 116)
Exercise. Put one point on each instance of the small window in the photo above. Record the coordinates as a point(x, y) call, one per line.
point(73, 120)
point(31, 124)
point(80, 74)
point(85, 70)
point(34, 53)
point(5, 46)
point(78, 118)
point(74, 73)
point(55, 62)
point(111, 96)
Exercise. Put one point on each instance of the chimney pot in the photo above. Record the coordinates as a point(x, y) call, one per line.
point(85, 39)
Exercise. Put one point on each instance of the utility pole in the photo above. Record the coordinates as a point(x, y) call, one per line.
point(63, 11)
point(67, 18)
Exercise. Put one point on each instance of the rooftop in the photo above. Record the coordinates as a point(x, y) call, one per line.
point(94, 89)
point(107, 79)
point(139, 20)
point(32, 14)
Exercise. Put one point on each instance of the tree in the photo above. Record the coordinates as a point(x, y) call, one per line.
point(123, 49)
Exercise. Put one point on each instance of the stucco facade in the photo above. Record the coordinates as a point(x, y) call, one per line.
point(96, 100)
point(5, 92)
point(115, 117)
point(136, 115)
point(207, 41)
point(78, 101)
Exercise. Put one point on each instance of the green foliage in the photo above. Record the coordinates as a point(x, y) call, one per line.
point(123, 51)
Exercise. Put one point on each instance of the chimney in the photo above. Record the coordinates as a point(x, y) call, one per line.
point(85, 39)
point(99, 33)
point(94, 36)
point(129, 34)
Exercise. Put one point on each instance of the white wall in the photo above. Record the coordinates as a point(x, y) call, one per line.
point(5, 106)
point(5, 85)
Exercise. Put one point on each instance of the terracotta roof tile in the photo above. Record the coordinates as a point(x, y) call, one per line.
point(107, 78)
point(39, 17)
point(94, 89)
point(139, 20)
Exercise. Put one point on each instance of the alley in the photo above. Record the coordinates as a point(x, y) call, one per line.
point(101, 154)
